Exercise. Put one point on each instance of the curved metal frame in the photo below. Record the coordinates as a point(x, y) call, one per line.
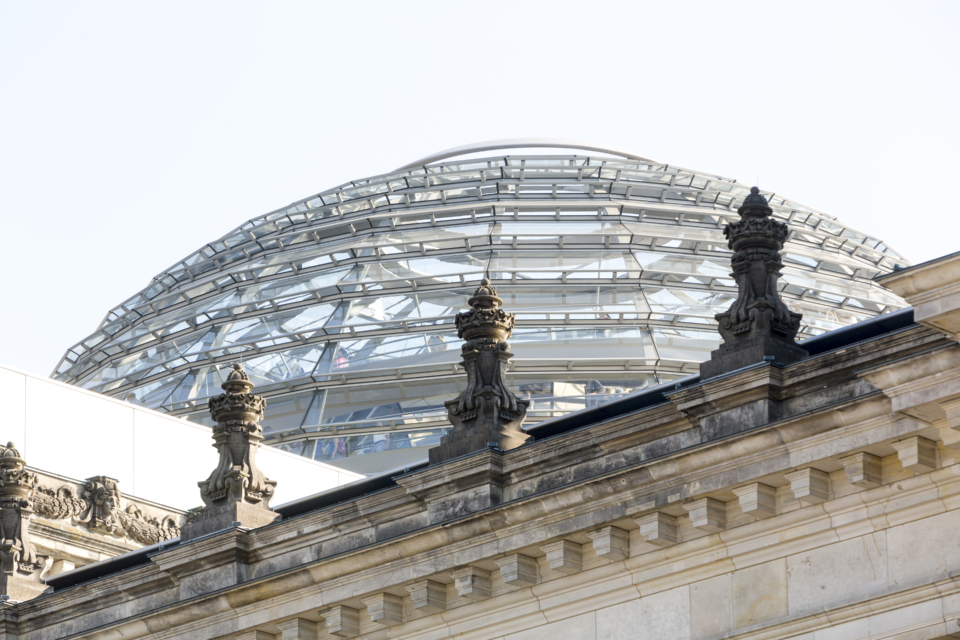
point(523, 143)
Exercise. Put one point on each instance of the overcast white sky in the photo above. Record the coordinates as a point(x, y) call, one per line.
point(134, 132)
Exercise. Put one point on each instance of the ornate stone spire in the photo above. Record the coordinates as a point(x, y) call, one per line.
point(236, 491)
point(486, 411)
point(758, 325)
point(20, 565)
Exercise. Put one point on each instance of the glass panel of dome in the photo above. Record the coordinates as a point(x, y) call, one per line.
point(373, 452)
point(686, 345)
point(648, 229)
point(406, 306)
point(286, 413)
point(838, 286)
point(152, 357)
point(199, 383)
point(390, 352)
point(820, 318)
point(439, 238)
point(283, 365)
point(582, 343)
point(675, 301)
point(444, 268)
point(557, 301)
point(379, 405)
point(560, 394)
point(151, 394)
point(572, 232)
point(653, 263)
point(552, 265)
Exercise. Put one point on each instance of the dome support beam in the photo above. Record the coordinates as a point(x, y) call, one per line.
point(522, 143)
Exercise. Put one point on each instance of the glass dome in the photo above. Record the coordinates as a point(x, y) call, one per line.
point(341, 306)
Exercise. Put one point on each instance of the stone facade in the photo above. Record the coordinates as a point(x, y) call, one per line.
point(51, 524)
point(812, 500)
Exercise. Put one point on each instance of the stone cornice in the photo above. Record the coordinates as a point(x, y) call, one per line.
point(701, 555)
point(561, 488)
point(625, 492)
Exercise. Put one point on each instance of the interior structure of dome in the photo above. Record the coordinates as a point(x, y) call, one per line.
point(341, 306)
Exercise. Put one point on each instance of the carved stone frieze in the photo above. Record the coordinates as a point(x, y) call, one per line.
point(99, 509)
point(147, 529)
point(58, 504)
point(486, 411)
point(102, 496)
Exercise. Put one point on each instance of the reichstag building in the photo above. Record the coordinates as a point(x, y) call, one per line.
point(341, 306)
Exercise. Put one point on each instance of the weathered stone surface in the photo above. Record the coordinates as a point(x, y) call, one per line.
point(472, 583)
point(837, 572)
point(460, 487)
point(236, 491)
point(385, 608)
point(518, 569)
point(659, 528)
point(666, 615)
point(758, 324)
point(707, 514)
point(917, 454)
point(622, 622)
point(612, 543)
point(862, 469)
point(298, 629)
point(933, 289)
point(582, 627)
point(486, 412)
point(20, 564)
point(428, 596)
point(564, 555)
point(809, 485)
point(759, 594)
point(925, 548)
point(341, 621)
point(255, 635)
point(758, 500)
point(710, 608)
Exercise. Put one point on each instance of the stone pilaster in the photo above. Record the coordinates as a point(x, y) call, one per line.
point(236, 491)
point(486, 412)
point(758, 325)
point(20, 565)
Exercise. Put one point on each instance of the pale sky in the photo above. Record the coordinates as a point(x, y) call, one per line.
point(133, 132)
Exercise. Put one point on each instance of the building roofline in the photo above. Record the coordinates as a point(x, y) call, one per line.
point(893, 275)
point(832, 340)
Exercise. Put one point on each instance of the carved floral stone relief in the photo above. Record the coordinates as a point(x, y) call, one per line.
point(98, 507)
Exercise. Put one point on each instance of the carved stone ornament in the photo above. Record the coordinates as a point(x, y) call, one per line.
point(236, 437)
point(758, 325)
point(236, 491)
point(99, 509)
point(486, 411)
point(20, 564)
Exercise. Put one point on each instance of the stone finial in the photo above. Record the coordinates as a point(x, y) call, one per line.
point(758, 325)
point(486, 411)
point(236, 491)
point(20, 564)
